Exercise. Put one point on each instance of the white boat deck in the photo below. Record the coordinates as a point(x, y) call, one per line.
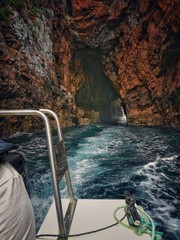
point(92, 214)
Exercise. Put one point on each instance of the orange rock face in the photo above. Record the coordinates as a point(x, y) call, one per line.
point(137, 42)
point(151, 59)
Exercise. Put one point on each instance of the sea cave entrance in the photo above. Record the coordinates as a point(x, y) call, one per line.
point(96, 92)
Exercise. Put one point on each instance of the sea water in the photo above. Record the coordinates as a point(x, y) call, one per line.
point(105, 160)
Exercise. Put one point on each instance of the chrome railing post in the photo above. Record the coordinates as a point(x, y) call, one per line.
point(54, 115)
point(60, 136)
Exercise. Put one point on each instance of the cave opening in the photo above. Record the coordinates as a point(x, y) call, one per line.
point(96, 91)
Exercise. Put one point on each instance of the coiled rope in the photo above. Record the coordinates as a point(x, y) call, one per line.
point(147, 225)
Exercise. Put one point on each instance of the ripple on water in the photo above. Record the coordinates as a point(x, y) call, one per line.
point(163, 199)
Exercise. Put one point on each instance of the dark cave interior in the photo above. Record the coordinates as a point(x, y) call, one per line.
point(96, 92)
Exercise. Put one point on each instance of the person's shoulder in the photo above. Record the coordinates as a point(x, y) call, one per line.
point(7, 172)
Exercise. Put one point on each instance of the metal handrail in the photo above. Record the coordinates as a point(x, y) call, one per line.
point(60, 136)
point(57, 195)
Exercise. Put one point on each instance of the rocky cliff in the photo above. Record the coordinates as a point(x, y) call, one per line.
point(36, 52)
point(139, 45)
point(79, 58)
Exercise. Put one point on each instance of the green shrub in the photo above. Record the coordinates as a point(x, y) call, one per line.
point(18, 4)
point(4, 8)
point(4, 14)
point(36, 4)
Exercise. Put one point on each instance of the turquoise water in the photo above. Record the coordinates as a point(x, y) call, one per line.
point(104, 161)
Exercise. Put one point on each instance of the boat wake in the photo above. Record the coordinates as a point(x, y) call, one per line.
point(106, 160)
point(162, 199)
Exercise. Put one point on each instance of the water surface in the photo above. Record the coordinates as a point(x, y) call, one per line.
point(104, 161)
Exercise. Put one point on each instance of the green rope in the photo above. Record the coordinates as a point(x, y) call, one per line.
point(147, 225)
